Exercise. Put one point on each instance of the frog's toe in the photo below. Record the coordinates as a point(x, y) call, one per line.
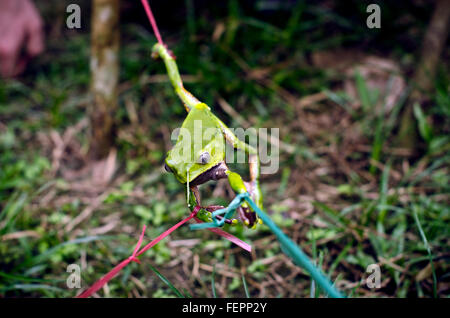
point(255, 225)
point(247, 216)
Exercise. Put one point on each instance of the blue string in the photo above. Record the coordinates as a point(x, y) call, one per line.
point(288, 246)
point(227, 213)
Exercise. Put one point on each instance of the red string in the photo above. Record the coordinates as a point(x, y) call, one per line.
point(136, 249)
point(102, 281)
point(148, 10)
point(173, 228)
point(229, 237)
point(133, 258)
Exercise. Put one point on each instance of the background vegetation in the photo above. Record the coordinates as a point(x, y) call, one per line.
point(345, 191)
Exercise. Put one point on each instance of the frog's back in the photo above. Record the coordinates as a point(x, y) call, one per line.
point(200, 134)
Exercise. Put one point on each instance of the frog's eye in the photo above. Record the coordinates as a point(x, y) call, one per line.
point(204, 158)
point(167, 167)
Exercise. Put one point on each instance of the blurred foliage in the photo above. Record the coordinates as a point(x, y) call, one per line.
point(386, 208)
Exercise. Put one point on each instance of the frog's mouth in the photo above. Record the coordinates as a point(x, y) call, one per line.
point(215, 173)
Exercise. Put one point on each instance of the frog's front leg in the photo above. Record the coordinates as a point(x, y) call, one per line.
point(195, 200)
point(194, 197)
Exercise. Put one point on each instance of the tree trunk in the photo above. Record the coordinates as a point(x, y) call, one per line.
point(434, 41)
point(104, 75)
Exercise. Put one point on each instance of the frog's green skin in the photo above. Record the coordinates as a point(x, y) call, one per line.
point(203, 156)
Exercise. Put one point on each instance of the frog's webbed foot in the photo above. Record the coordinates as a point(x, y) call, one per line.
point(248, 217)
point(212, 208)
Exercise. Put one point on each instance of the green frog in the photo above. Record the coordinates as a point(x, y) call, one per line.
point(199, 153)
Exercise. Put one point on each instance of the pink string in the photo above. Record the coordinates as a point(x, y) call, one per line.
point(164, 234)
point(102, 281)
point(136, 252)
point(229, 237)
point(148, 10)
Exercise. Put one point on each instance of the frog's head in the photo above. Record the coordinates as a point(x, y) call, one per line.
point(198, 155)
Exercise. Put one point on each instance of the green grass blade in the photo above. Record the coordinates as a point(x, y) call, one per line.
point(44, 256)
point(424, 128)
point(11, 211)
point(363, 92)
point(427, 246)
point(244, 282)
point(213, 282)
point(383, 199)
point(167, 282)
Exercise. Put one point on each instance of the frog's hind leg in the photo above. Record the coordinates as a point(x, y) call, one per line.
point(186, 97)
point(253, 162)
point(247, 215)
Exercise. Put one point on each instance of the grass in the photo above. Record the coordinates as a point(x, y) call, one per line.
point(345, 194)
